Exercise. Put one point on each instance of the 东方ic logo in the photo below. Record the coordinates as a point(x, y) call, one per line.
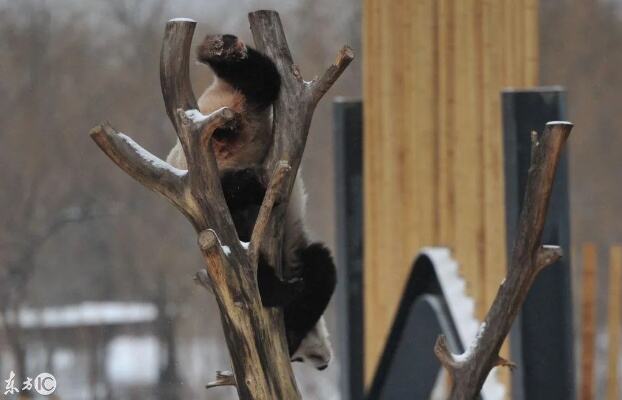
point(45, 383)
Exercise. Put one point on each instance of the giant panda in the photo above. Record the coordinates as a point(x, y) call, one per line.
point(248, 82)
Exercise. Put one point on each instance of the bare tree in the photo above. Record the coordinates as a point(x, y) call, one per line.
point(255, 335)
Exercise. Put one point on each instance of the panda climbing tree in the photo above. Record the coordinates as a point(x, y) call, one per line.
point(231, 174)
point(247, 82)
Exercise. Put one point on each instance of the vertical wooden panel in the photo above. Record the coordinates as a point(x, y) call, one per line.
point(433, 163)
point(588, 315)
point(613, 320)
point(446, 129)
point(494, 257)
point(532, 54)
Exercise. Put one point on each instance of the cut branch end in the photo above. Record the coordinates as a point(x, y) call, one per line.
point(208, 241)
point(548, 255)
point(320, 86)
point(212, 120)
point(345, 55)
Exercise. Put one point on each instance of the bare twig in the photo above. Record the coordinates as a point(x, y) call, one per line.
point(223, 378)
point(528, 258)
point(321, 86)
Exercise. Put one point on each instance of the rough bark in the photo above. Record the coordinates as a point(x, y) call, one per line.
point(254, 335)
point(528, 258)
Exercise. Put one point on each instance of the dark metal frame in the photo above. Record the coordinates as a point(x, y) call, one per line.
point(542, 338)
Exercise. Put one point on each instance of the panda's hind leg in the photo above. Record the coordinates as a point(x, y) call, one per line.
point(274, 291)
point(320, 278)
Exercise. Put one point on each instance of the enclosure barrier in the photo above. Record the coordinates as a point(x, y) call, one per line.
point(589, 296)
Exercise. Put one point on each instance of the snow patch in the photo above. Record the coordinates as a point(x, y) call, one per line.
point(462, 309)
point(558, 123)
point(196, 116)
point(181, 20)
point(133, 360)
point(150, 158)
point(84, 314)
point(245, 244)
point(226, 249)
point(469, 351)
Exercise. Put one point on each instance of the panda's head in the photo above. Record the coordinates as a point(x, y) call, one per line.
point(248, 82)
point(315, 348)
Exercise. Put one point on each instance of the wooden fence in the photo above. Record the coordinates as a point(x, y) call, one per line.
point(588, 290)
point(433, 154)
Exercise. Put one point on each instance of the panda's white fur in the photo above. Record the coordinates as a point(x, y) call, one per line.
point(315, 348)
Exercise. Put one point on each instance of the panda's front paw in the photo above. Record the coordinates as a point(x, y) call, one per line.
point(221, 48)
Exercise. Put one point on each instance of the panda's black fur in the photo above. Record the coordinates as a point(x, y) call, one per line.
point(248, 82)
point(304, 299)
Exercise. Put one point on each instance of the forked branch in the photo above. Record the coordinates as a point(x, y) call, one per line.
point(293, 111)
point(470, 370)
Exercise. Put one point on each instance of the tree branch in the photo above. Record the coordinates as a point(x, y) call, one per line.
point(320, 86)
point(528, 259)
point(141, 165)
point(548, 255)
point(174, 68)
point(223, 378)
point(441, 350)
point(273, 194)
point(293, 111)
point(209, 210)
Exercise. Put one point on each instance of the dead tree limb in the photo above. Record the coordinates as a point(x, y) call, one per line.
point(293, 111)
point(469, 370)
point(254, 335)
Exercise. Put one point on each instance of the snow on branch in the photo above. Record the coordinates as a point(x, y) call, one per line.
point(140, 164)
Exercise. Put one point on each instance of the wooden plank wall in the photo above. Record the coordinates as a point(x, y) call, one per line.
point(432, 75)
point(589, 282)
point(613, 321)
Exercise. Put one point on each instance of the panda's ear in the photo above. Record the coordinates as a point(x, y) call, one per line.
point(244, 68)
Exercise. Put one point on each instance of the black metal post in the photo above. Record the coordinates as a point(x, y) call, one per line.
point(348, 142)
point(542, 341)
